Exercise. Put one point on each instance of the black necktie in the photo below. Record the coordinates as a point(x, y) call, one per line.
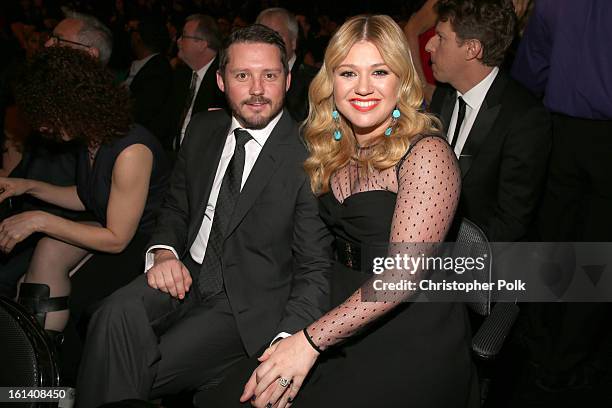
point(186, 107)
point(460, 117)
point(210, 281)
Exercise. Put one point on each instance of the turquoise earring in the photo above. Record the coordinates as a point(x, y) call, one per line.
point(337, 132)
point(394, 117)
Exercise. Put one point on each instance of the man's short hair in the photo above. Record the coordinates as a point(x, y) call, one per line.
point(492, 22)
point(95, 34)
point(290, 21)
point(207, 29)
point(255, 33)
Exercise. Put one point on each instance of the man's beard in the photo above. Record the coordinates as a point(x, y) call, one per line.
point(257, 121)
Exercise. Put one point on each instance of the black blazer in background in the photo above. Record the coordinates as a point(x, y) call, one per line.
point(150, 89)
point(296, 100)
point(504, 160)
point(277, 250)
point(167, 127)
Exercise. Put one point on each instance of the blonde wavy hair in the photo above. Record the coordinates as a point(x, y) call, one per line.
point(328, 155)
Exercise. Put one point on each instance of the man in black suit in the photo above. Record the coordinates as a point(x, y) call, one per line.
point(194, 87)
point(150, 76)
point(500, 133)
point(239, 221)
point(285, 24)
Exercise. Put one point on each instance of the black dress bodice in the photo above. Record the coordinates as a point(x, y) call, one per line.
point(353, 220)
point(94, 181)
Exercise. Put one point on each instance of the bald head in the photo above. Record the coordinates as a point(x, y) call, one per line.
point(83, 32)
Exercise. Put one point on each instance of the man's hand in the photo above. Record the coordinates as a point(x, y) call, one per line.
point(169, 275)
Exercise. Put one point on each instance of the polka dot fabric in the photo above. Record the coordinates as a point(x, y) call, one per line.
point(427, 182)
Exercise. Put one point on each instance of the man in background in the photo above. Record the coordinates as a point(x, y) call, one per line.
point(565, 58)
point(285, 24)
point(498, 130)
point(150, 75)
point(194, 86)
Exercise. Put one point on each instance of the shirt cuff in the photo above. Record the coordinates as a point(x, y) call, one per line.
point(279, 336)
point(150, 255)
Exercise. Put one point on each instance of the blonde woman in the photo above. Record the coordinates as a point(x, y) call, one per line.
point(382, 175)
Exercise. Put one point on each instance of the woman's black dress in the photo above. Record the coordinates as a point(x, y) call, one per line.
point(104, 273)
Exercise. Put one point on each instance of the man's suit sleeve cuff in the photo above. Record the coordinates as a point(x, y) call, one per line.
point(280, 336)
point(150, 255)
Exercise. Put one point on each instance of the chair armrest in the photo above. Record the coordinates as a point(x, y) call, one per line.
point(489, 339)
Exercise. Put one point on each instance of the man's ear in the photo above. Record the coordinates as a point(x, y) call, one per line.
point(288, 84)
point(220, 82)
point(474, 49)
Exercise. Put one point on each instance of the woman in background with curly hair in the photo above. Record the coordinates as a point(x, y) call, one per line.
point(121, 174)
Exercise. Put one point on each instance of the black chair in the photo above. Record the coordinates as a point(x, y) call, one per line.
point(497, 319)
point(27, 355)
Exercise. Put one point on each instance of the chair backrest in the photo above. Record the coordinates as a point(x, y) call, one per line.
point(27, 356)
point(471, 241)
point(489, 339)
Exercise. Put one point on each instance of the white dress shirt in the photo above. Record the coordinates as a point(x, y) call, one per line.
point(200, 76)
point(252, 149)
point(473, 101)
point(135, 68)
point(291, 62)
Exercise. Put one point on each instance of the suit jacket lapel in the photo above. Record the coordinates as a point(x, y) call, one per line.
point(481, 129)
point(268, 161)
point(447, 109)
point(205, 170)
point(204, 98)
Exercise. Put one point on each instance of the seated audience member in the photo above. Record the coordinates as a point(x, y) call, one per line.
point(285, 24)
point(498, 130)
point(121, 173)
point(240, 222)
point(150, 76)
point(420, 26)
point(383, 174)
point(194, 89)
point(83, 32)
point(33, 157)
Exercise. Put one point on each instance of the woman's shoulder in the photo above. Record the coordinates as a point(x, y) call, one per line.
point(140, 133)
point(137, 134)
point(427, 150)
point(426, 141)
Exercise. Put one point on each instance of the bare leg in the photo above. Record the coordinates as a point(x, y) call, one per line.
point(51, 263)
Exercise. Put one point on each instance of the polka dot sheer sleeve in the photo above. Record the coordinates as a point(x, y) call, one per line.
point(428, 184)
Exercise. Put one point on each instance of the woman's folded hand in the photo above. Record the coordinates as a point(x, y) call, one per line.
point(18, 227)
point(277, 380)
point(11, 187)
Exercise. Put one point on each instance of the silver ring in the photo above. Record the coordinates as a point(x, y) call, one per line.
point(284, 382)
